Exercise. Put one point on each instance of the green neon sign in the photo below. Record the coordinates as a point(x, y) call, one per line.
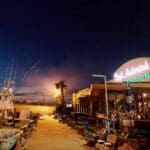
point(140, 78)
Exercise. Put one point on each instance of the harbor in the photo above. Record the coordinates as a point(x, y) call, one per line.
point(108, 115)
point(74, 75)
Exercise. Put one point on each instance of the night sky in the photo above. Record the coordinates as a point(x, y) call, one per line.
point(70, 40)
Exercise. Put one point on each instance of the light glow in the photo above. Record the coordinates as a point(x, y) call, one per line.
point(144, 94)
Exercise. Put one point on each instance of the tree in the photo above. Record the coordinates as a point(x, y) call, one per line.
point(62, 87)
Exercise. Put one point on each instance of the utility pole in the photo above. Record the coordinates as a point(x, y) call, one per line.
point(106, 95)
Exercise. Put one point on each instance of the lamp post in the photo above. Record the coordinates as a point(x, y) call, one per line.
point(106, 95)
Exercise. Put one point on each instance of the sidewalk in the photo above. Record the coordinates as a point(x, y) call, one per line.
point(52, 135)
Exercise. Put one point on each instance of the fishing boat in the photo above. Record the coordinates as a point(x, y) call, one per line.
point(6, 96)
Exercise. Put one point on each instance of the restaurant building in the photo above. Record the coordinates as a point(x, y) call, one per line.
point(128, 91)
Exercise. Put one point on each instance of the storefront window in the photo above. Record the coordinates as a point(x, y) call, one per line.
point(143, 106)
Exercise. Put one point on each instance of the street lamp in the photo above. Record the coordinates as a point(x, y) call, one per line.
point(106, 96)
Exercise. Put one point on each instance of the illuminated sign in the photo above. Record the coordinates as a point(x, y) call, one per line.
point(140, 78)
point(133, 70)
point(68, 105)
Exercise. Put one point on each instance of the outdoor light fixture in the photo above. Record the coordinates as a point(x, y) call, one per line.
point(144, 94)
point(106, 96)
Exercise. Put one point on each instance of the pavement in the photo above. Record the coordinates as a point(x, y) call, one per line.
point(52, 135)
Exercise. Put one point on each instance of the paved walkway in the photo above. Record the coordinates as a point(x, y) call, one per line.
point(52, 135)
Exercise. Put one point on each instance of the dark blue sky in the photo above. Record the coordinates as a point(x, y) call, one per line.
point(83, 36)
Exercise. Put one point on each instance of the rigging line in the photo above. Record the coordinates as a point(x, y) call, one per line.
point(35, 64)
point(7, 70)
point(28, 72)
point(35, 74)
point(30, 75)
point(15, 71)
point(32, 71)
point(15, 74)
point(11, 69)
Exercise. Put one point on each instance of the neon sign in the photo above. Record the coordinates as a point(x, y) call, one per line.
point(132, 69)
point(140, 78)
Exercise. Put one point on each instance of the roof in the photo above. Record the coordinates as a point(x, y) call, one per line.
point(138, 86)
point(110, 86)
point(83, 93)
point(96, 89)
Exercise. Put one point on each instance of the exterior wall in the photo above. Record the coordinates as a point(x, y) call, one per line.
point(44, 110)
point(80, 101)
point(117, 99)
point(91, 104)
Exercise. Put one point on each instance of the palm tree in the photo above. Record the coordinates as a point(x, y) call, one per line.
point(62, 86)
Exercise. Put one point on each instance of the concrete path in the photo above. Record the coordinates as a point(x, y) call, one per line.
point(52, 135)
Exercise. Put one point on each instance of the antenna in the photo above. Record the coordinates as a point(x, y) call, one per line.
point(7, 72)
point(11, 69)
point(15, 71)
